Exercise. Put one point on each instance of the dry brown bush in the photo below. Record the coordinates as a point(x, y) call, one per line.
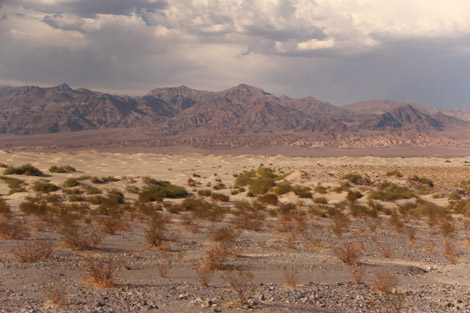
point(13, 228)
point(385, 282)
point(54, 291)
point(357, 272)
point(100, 270)
point(450, 252)
point(348, 252)
point(217, 257)
point(81, 237)
point(241, 283)
point(204, 272)
point(33, 251)
point(386, 251)
point(340, 224)
point(290, 275)
point(164, 264)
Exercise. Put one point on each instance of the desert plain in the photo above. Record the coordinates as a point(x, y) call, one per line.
point(111, 232)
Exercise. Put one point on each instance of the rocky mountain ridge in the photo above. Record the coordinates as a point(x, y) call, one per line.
point(195, 117)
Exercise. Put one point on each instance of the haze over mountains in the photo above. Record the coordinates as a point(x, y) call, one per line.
point(239, 116)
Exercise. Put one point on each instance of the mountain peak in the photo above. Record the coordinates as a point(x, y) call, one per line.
point(63, 87)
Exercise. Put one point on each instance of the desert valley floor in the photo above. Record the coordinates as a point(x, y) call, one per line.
point(110, 232)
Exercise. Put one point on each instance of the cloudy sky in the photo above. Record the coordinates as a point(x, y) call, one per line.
point(339, 51)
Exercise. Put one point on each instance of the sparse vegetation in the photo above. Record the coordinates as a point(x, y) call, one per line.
point(26, 169)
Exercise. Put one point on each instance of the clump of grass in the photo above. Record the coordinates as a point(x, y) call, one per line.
point(53, 290)
point(204, 273)
point(100, 270)
point(35, 206)
point(93, 191)
point(385, 282)
point(259, 181)
point(321, 190)
point(26, 169)
point(15, 184)
point(352, 196)
point(44, 186)
point(225, 236)
point(155, 231)
point(33, 251)
point(422, 180)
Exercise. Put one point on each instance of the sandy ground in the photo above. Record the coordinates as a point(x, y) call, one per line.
point(427, 281)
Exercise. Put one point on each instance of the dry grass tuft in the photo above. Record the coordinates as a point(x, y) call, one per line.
point(290, 275)
point(100, 270)
point(348, 252)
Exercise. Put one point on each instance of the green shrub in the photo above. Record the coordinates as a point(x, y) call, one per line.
point(390, 192)
point(261, 185)
point(75, 198)
point(43, 186)
point(244, 178)
point(14, 184)
point(352, 196)
point(204, 193)
point(116, 195)
point(422, 180)
point(302, 191)
point(93, 191)
point(34, 206)
point(357, 179)
point(431, 210)
point(161, 189)
point(56, 169)
point(358, 210)
point(282, 188)
point(26, 169)
point(71, 182)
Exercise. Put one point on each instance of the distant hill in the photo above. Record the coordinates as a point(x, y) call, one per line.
point(181, 115)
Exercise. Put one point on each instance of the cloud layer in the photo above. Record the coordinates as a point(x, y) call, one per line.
point(339, 51)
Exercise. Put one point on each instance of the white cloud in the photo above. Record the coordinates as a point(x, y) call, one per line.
point(213, 44)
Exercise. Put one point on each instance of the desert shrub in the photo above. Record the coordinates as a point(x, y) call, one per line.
point(347, 252)
point(248, 216)
point(100, 270)
point(390, 192)
point(375, 205)
point(217, 256)
point(203, 209)
point(241, 283)
point(357, 272)
point(385, 282)
point(4, 206)
point(14, 184)
point(358, 210)
point(161, 189)
point(93, 191)
point(291, 277)
point(204, 273)
point(26, 169)
point(448, 229)
point(244, 178)
point(225, 236)
point(283, 188)
point(268, 198)
point(357, 179)
point(450, 252)
point(80, 237)
point(33, 251)
point(72, 191)
point(422, 180)
point(155, 231)
point(407, 208)
point(302, 191)
point(430, 210)
point(321, 190)
point(34, 205)
point(53, 290)
point(220, 197)
point(461, 206)
point(71, 182)
point(261, 185)
point(116, 195)
point(204, 193)
point(395, 173)
point(75, 198)
point(44, 186)
point(164, 265)
point(219, 186)
point(13, 228)
point(62, 169)
point(320, 200)
point(340, 222)
point(465, 184)
point(352, 196)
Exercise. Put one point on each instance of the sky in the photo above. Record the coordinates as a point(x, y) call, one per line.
point(340, 51)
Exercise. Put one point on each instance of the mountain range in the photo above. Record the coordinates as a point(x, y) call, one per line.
point(242, 115)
